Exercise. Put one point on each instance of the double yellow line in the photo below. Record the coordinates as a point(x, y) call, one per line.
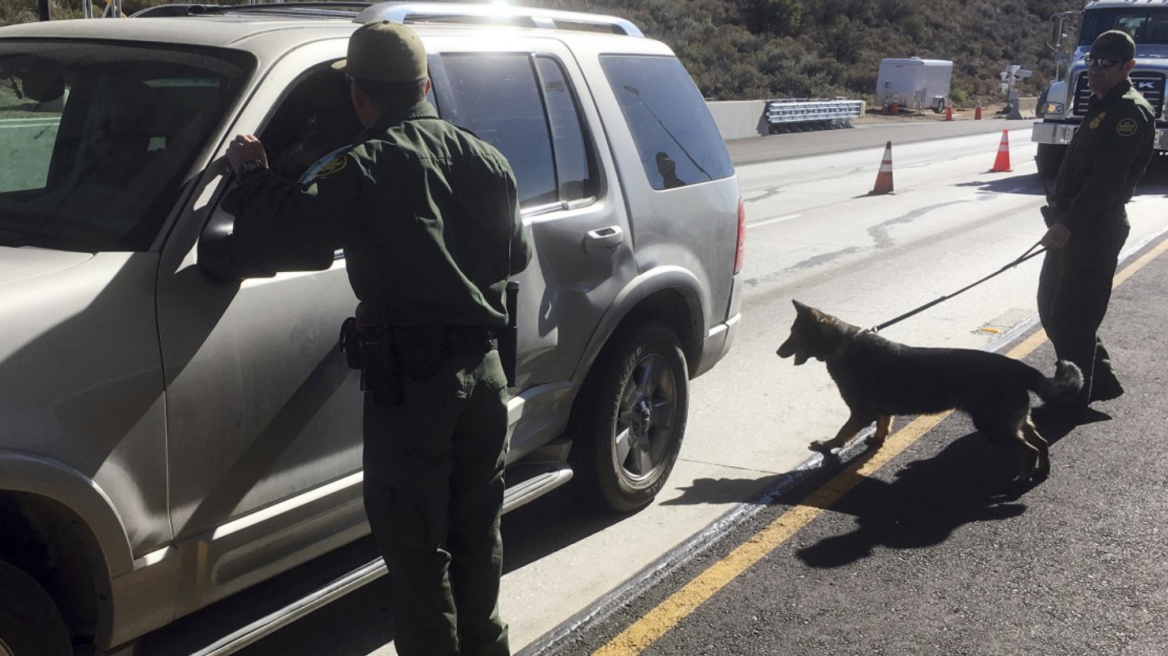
point(678, 606)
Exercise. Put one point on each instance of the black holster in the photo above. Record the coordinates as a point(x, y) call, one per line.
point(366, 347)
point(509, 336)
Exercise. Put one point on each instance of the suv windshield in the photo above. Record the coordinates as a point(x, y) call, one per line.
point(1144, 24)
point(97, 140)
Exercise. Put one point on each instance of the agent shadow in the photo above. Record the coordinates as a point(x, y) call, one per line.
point(924, 504)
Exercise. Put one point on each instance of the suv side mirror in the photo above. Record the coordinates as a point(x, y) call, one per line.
point(224, 256)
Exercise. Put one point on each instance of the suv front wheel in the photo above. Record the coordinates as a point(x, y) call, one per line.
point(30, 624)
point(637, 405)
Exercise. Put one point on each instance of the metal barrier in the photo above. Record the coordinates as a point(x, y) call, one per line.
point(783, 115)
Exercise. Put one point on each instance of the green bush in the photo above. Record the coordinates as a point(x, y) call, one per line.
point(744, 49)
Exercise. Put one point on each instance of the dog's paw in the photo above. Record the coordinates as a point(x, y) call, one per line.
point(822, 447)
point(874, 442)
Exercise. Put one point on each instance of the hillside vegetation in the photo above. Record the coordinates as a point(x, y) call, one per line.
point(751, 49)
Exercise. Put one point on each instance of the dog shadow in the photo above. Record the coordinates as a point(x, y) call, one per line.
point(924, 503)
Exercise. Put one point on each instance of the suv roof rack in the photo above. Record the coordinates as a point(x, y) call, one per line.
point(413, 12)
point(313, 9)
point(491, 14)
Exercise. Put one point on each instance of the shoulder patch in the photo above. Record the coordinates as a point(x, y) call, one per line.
point(332, 166)
point(1127, 127)
point(1097, 120)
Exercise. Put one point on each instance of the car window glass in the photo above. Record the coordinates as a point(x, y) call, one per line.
point(497, 97)
point(575, 166)
point(29, 118)
point(677, 139)
point(314, 119)
point(98, 139)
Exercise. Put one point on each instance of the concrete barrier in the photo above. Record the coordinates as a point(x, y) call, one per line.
point(739, 119)
point(1024, 108)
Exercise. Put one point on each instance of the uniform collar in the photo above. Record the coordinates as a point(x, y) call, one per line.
point(395, 116)
point(1115, 94)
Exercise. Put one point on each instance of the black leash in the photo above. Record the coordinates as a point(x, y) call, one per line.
point(1025, 256)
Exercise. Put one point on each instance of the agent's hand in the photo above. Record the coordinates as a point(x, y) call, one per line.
point(245, 148)
point(1056, 236)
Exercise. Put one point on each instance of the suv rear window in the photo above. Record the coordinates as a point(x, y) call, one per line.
point(98, 139)
point(677, 139)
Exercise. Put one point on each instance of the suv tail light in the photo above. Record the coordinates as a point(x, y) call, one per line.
point(741, 252)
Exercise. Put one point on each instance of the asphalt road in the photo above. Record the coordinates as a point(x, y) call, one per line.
point(866, 133)
point(925, 555)
point(813, 234)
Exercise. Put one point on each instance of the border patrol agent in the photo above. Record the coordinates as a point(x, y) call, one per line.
point(1086, 221)
point(428, 217)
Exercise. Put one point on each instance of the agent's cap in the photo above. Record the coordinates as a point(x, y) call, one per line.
point(1114, 44)
point(384, 52)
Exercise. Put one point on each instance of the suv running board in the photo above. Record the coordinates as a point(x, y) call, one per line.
point(533, 481)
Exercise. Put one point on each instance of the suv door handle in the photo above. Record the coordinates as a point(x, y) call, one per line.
point(603, 239)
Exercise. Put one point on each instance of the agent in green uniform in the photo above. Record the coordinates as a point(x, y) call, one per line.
point(429, 222)
point(1086, 219)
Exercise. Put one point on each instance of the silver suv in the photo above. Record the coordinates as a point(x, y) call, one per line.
point(176, 429)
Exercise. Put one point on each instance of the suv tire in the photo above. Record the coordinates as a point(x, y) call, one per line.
point(30, 623)
point(636, 404)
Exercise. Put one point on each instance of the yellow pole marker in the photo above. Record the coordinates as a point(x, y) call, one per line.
point(645, 631)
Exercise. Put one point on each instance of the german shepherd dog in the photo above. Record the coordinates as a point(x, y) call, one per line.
point(878, 378)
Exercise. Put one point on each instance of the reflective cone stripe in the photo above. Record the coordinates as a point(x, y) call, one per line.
point(884, 177)
point(1002, 163)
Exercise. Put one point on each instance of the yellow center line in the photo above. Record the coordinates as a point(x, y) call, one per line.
point(645, 631)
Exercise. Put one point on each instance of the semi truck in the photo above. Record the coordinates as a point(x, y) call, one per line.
point(1065, 101)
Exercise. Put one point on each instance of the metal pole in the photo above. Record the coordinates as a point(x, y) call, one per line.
point(43, 10)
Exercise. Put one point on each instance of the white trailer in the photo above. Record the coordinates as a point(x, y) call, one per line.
point(914, 83)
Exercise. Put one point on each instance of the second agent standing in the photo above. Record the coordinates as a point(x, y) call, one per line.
point(428, 217)
point(1086, 219)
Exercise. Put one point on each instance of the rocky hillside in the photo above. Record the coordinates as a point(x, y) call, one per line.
point(738, 49)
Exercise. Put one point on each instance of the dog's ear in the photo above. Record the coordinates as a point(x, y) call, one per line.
point(802, 309)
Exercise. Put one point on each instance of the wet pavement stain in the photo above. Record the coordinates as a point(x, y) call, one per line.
point(880, 234)
point(767, 193)
point(810, 262)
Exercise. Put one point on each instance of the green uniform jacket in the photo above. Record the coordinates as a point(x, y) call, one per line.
point(426, 212)
point(1106, 159)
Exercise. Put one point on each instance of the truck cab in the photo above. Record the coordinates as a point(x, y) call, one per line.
point(1067, 98)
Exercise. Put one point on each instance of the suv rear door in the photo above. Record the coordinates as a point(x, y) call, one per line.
point(505, 93)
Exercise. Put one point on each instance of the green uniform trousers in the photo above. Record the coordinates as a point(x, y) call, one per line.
point(434, 495)
point(1074, 289)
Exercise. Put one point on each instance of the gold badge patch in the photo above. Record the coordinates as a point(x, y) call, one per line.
point(1127, 127)
point(1097, 120)
point(332, 166)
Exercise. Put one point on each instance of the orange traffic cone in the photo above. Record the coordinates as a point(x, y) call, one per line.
point(948, 111)
point(884, 177)
point(977, 113)
point(1002, 163)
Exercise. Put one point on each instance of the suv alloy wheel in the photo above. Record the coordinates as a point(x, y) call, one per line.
point(639, 399)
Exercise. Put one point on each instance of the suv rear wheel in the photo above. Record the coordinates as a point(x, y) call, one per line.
point(637, 406)
point(30, 624)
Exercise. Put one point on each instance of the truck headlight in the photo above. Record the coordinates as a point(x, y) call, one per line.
point(1052, 108)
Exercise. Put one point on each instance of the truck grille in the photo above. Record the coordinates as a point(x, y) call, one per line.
point(1146, 82)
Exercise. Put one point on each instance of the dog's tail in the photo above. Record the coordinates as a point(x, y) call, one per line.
point(1065, 383)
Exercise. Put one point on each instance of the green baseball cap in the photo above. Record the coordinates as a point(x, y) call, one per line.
point(1114, 44)
point(384, 52)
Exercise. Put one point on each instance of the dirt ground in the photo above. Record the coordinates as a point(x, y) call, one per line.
point(873, 115)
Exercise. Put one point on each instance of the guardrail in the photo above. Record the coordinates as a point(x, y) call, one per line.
point(799, 113)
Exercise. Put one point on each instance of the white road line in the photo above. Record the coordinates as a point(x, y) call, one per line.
point(774, 220)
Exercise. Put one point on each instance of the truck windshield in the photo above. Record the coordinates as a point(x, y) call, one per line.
point(96, 140)
point(1144, 24)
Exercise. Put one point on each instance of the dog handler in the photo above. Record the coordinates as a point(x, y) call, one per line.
point(428, 218)
point(1086, 221)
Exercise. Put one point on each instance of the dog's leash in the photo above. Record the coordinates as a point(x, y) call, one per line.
point(1025, 256)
